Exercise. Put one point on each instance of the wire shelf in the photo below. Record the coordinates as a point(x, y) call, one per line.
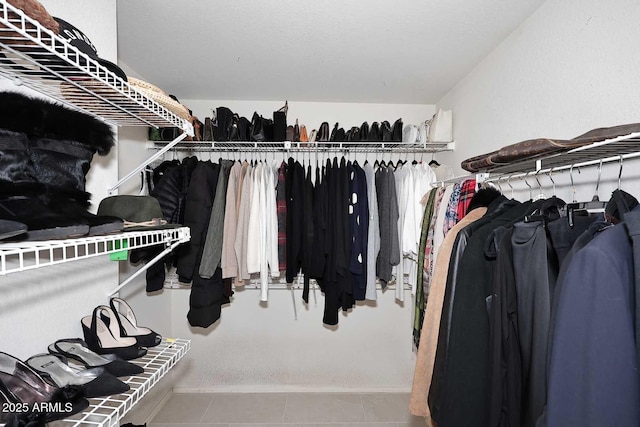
point(34, 56)
point(608, 150)
point(108, 412)
point(288, 146)
point(21, 256)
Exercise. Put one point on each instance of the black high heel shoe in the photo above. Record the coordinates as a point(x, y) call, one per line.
point(102, 335)
point(76, 349)
point(94, 382)
point(129, 325)
point(32, 397)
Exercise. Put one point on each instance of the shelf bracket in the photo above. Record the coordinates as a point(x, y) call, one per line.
point(151, 159)
point(145, 267)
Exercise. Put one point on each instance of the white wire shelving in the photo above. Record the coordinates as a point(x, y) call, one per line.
point(36, 57)
point(303, 147)
point(608, 150)
point(107, 412)
point(22, 256)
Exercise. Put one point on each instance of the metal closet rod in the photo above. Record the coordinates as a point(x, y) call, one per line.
point(564, 168)
point(454, 180)
point(392, 150)
point(286, 146)
point(292, 286)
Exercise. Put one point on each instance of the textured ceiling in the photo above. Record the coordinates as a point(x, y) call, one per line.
point(384, 51)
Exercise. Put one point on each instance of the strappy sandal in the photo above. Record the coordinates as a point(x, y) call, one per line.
point(145, 337)
point(102, 335)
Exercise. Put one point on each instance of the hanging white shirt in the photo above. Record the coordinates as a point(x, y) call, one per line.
point(253, 232)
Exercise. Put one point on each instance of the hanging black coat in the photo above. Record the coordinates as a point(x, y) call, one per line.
point(467, 368)
point(359, 220)
point(337, 278)
point(308, 233)
point(294, 188)
point(496, 208)
point(198, 204)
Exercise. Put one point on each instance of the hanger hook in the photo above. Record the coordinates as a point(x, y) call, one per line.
point(573, 186)
point(538, 181)
point(620, 171)
point(553, 182)
point(528, 185)
point(595, 196)
point(510, 186)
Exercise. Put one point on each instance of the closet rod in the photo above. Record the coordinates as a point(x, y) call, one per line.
point(454, 180)
point(151, 159)
point(288, 146)
point(283, 286)
point(564, 168)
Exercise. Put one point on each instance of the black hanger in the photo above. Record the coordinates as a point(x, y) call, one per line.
point(433, 161)
point(620, 202)
point(595, 205)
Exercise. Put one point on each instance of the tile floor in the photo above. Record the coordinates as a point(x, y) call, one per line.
point(287, 409)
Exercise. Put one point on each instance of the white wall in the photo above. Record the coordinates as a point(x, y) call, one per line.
point(570, 67)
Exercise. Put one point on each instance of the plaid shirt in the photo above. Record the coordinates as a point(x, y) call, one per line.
point(467, 192)
point(451, 215)
point(428, 249)
point(420, 299)
point(281, 207)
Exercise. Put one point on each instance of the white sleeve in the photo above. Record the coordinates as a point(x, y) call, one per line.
point(264, 269)
point(272, 212)
point(253, 232)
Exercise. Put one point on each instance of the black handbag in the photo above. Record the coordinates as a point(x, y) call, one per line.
point(396, 131)
point(234, 135)
point(385, 129)
point(257, 128)
point(169, 134)
point(244, 129)
point(375, 133)
point(261, 128)
point(224, 122)
point(364, 132)
point(280, 126)
point(353, 135)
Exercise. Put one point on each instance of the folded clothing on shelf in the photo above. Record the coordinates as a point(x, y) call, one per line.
point(532, 149)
